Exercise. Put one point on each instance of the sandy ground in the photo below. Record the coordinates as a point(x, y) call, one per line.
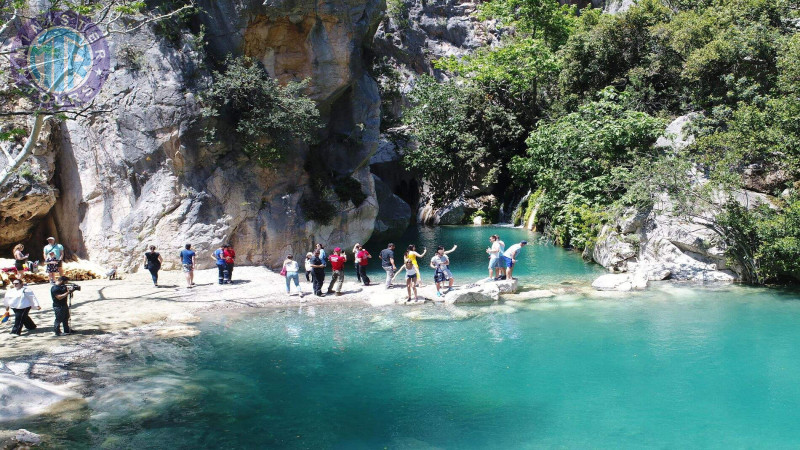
point(111, 306)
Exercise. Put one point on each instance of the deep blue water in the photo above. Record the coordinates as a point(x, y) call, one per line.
point(672, 367)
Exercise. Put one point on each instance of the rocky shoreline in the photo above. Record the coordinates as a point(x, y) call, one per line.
point(112, 315)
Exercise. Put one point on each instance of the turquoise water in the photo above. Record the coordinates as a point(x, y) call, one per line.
point(672, 367)
point(541, 264)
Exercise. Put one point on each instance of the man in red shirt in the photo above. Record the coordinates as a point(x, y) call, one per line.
point(362, 258)
point(229, 255)
point(337, 260)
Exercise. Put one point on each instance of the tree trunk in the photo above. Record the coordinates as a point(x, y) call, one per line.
point(27, 150)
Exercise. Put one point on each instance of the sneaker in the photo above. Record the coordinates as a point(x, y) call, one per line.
point(339, 294)
point(438, 294)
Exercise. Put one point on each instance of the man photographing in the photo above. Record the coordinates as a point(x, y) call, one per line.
point(61, 293)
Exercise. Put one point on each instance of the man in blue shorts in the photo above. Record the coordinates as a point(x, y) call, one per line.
point(187, 263)
point(440, 264)
point(510, 257)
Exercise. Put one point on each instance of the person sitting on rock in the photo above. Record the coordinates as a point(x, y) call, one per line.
point(440, 263)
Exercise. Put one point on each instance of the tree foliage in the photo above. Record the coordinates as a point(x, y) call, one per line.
point(460, 131)
point(268, 119)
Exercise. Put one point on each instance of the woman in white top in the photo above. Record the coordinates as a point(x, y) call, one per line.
point(21, 300)
point(411, 278)
point(291, 267)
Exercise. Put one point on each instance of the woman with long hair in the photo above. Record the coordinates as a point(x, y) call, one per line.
point(152, 262)
point(19, 258)
point(412, 255)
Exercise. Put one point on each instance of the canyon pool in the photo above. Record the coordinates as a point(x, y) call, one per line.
point(676, 366)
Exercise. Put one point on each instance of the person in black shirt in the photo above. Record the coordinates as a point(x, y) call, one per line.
point(317, 273)
point(387, 262)
point(152, 262)
point(60, 293)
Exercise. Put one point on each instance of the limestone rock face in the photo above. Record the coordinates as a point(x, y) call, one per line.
point(655, 244)
point(29, 195)
point(394, 215)
point(140, 174)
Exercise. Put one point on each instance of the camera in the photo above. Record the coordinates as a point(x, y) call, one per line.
point(72, 287)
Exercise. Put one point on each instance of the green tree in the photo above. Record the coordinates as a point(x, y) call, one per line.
point(575, 159)
point(268, 119)
point(459, 131)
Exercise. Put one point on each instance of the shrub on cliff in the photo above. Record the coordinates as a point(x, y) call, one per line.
point(267, 119)
point(575, 158)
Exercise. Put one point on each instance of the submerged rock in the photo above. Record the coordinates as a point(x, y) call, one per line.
point(24, 436)
point(22, 397)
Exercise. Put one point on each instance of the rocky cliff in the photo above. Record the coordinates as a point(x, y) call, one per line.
point(140, 175)
point(655, 244)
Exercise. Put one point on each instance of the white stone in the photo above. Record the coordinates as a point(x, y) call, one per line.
point(26, 437)
point(613, 282)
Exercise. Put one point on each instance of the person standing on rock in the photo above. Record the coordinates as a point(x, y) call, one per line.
point(187, 264)
point(356, 249)
point(21, 300)
point(317, 273)
point(494, 254)
point(152, 262)
point(363, 258)
point(58, 249)
point(219, 260)
point(230, 256)
point(291, 267)
point(60, 293)
point(322, 255)
point(19, 258)
point(510, 258)
point(387, 263)
point(337, 259)
point(412, 275)
point(412, 255)
point(308, 267)
point(440, 263)
point(501, 267)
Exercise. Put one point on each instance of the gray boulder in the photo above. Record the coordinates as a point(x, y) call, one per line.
point(613, 282)
point(394, 214)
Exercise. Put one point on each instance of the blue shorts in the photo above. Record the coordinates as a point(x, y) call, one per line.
point(508, 262)
point(442, 274)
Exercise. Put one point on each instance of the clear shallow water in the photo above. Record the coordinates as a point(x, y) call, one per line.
point(673, 367)
point(541, 263)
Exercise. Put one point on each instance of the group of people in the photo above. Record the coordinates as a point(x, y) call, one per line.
point(502, 260)
point(501, 266)
point(52, 255)
point(21, 299)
